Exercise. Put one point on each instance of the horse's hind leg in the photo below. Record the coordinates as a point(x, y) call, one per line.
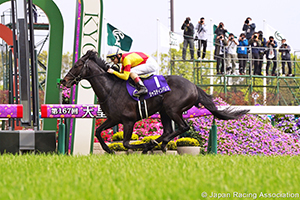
point(107, 124)
point(182, 127)
point(127, 129)
point(167, 126)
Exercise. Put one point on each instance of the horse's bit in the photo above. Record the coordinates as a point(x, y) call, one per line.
point(79, 77)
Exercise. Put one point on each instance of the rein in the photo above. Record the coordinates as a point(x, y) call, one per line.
point(78, 78)
point(102, 102)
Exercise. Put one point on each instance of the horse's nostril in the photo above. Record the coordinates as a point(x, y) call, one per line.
point(63, 82)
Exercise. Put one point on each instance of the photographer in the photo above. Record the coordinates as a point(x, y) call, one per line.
point(220, 30)
point(231, 56)
point(188, 37)
point(201, 31)
point(261, 50)
point(249, 28)
point(220, 45)
point(271, 55)
point(242, 53)
point(285, 57)
point(255, 44)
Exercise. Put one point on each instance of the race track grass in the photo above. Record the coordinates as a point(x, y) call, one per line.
point(139, 177)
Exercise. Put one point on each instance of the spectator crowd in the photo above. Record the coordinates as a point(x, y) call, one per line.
point(251, 46)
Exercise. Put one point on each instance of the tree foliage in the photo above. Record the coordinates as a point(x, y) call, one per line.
point(41, 64)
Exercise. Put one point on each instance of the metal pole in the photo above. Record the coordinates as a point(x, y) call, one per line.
point(16, 100)
point(34, 74)
point(115, 129)
point(225, 72)
point(23, 59)
point(211, 58)
point(172, 14)
point(214, 138)
point(212, 147)
point(61, 138)
point(10, 79)
point(36, 121)
point(250, 60)
point(6, 80)
point(61, 148)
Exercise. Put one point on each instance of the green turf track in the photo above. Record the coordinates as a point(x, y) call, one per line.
point(147, 177)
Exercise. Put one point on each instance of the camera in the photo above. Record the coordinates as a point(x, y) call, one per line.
point(255, 37)
point(187, 21)
point(201, 22)
point(284, 45)
point(246, 21)
point(221, 37)
point(221, 26)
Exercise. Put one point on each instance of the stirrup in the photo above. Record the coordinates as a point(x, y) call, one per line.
point(140, 92)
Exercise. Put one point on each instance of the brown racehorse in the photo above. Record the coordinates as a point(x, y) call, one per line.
point(119, 107)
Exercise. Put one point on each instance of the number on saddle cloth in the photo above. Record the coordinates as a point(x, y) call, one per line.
point(155, 84)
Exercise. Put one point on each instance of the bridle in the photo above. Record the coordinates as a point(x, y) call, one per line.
point(78, 78)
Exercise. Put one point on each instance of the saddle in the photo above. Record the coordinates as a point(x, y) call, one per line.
point(156, 85)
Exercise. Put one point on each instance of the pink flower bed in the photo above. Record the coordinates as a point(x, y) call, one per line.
point(251, 134)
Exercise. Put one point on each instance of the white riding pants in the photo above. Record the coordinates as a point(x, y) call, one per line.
point(150, 67)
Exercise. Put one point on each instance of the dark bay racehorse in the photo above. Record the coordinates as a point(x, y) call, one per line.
point(119, 107)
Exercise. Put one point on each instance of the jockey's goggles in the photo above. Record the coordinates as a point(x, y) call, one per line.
point(112, 57)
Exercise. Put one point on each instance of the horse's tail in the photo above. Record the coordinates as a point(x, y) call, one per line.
point(207, 101)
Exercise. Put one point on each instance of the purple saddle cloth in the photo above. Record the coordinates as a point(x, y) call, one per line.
point(156, 85)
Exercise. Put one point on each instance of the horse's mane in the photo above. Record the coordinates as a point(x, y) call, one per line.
point(93, 55)
point(101, 63)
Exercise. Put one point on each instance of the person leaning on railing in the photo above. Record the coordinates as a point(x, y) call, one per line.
point(285, 57)
point(242, 53)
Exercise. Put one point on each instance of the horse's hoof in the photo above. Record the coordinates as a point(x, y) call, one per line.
point(164, 147)
point(154, 142)
point(112, 152)
point(164, 150)
point(145, 152)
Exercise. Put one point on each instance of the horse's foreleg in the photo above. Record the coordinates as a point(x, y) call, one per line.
point(127, 129)
point(107, 124)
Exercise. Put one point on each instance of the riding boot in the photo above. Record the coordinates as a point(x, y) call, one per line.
point(141, 88)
